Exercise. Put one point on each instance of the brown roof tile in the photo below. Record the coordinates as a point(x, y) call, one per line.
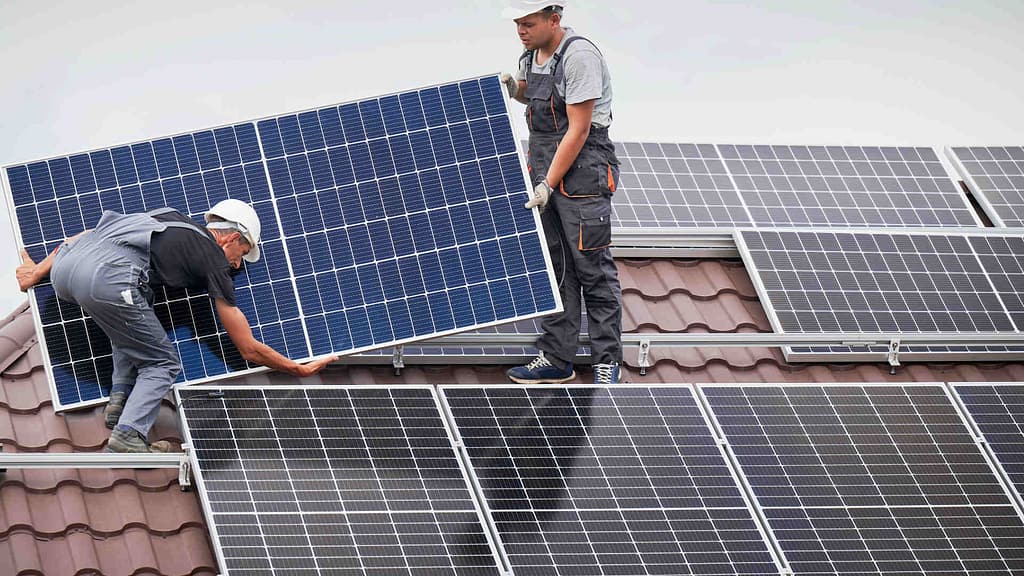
point(75, 522)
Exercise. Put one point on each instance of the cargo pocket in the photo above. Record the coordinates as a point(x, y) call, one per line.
point(116, 283)
point(595, 227)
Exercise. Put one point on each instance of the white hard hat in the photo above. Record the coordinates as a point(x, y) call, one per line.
point(516, 9)
point(246, 219)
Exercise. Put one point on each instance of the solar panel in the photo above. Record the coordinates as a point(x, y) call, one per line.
point(870, 479)
point(385, 221)
point(333, 480)
point(998, 412)
point(667, 185)
point(616, 480)
point(995, 175)
point(826, 281)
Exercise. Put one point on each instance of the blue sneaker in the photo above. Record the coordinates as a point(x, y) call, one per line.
point(540, 371)
point(606, 373)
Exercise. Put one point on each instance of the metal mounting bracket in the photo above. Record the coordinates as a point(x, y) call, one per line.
point(185, 469)
point(644, 359)
point(398, 359)
point(894, 355)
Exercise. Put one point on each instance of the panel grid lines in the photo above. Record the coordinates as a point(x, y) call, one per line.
point(998, 412)
point(667, 185)
point(821, 281)
point(995, 175)
point(334, 480)
point(590, 480)
point(870, 480)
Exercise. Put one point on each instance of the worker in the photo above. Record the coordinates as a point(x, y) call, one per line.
point(563, 79)
point(111, 272)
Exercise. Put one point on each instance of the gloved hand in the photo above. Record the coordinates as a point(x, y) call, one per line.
point(511, 84)
point(541, 194)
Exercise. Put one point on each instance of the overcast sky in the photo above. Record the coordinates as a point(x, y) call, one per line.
point(82, 75)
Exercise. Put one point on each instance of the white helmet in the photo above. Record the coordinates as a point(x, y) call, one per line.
point(242, 216)
point(516, 9)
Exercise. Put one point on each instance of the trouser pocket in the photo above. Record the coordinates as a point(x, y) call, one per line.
point(595, 227)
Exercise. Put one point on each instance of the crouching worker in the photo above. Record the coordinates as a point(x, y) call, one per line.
point(110, 272)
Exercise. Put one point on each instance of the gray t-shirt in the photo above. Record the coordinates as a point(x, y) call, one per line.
point(586, 77)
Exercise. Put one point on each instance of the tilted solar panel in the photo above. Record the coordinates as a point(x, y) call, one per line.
point(667, 185)
point(995, 175)
point(333, 480)
point(614, 480)
point(894, 282)
point(385, 221)
point(998, 411)
point(870, 479)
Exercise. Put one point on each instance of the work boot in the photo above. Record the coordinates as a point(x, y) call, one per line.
point(606, 373)
point(540, 370)
point(112, 411)
point(127, 441)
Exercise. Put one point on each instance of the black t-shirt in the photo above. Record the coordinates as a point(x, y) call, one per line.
point(181, 258)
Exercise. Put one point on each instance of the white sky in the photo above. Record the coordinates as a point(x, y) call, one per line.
point(83, 75)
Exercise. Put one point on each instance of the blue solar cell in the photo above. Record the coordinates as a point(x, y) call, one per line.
point(504, 139)
point(320, 165)
point(422, 152)
point(362, 164)
point(309, 295)
point(451, 100)
point(319, 335)
point(291, 134)
point(42, 186)
point(312, 135)
point(234, 179)
point(444, 148)
point(441, 226)
point(270, 136)
point(501, 295)
point(184, 148)
point(248, 142)
point(473, 99)
point(60, 174)
point(383, 163)
point(21, 185)
point(481, 219)
point(462, 142)
point(227, 146)
point(441, 311)
point(432, 109)
point(373, 121)
point(430, 185)
point(359, 327)
point(352, 123)
point(206, 149)
point(300, 173)
point(31, 231)
point(216, 188)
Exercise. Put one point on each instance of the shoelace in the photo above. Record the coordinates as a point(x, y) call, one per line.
point(538, 362)
point(604, 374)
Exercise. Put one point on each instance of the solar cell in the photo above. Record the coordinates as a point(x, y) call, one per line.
point(616, 480)
point(333, 480)
point(870, 479)
point(667, 185)
point(827, 281)
point(995, 175)
point(998, 412)
point(385, 221)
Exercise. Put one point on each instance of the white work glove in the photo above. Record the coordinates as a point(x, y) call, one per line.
point(511, 84)
point(541, 193)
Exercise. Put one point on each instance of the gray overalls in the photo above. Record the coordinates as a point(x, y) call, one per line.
point(106, 272)
point(577, 223)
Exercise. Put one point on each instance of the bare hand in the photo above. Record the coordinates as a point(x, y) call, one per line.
point(315, 366)
point(26, 272)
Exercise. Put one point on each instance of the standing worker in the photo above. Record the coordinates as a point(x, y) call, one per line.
point(563, 80)
point(110, 272)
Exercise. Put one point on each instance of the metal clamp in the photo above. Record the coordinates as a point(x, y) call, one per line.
point(398, 359)
point(644, 359)
point(894, 355)
point(185, 469)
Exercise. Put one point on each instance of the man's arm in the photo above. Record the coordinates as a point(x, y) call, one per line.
point(254, 351)
point(29, 273)
point(580, 116)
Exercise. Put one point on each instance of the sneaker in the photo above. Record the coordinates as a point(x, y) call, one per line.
point(112, 411)
point(606, 373)
point(540, 371)
point(128, 441)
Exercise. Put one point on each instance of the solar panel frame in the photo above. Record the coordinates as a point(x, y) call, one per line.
point(999, 428)
point(211, 515)
point(999, 193)
point(1011, 508)
point(620, 512)
point(835, 353)
point(294, 153)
